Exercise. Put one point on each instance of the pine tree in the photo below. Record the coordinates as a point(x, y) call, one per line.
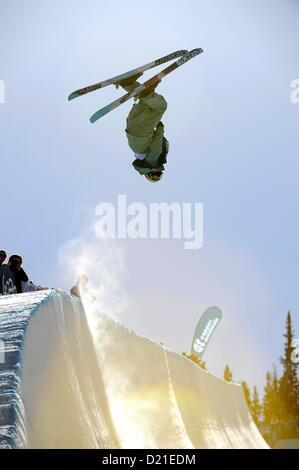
point(271, 398)
point(267, 400)
point(246, 393)
point(196, 359)
point(256, 408)
point(228, 376)
point(289, 384)
point(275, 396)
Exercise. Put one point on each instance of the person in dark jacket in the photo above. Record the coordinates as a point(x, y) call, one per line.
point(145, 131)
point(7, 278)
point(15, 265)
point(2, 256)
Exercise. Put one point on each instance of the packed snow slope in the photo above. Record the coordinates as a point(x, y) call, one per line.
point(63, 387)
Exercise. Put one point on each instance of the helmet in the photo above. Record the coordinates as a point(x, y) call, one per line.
point(154, 176)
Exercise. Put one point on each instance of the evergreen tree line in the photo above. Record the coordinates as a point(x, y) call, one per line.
point(280, 402)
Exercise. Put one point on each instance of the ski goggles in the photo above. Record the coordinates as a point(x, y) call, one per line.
point(153, 177)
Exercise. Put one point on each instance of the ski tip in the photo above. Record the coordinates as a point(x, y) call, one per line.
point(73, 96)
point(94, 118)
point(197, 50)
point(100, 113)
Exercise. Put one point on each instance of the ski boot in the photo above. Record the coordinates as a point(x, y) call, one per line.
point(148, 91)
point(130, 80)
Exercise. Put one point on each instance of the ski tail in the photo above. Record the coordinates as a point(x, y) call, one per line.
point(118, 78)
point(98, 114)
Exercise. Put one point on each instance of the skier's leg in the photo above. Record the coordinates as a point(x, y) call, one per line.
point(148, 98)
point(145, 115)
point(139, 113)
point(129, 84)
point(148, 91)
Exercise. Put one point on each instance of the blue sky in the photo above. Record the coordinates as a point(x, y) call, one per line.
point(233, 135)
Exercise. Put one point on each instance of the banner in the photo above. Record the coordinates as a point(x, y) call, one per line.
point(204, 330)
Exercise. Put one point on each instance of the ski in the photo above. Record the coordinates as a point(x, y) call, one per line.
point(118, 78)
point(145, 85)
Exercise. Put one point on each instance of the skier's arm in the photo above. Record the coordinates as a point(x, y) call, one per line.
point(22, 275)
point(156, 147)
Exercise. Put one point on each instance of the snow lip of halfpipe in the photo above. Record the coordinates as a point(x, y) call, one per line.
point(53, 367)
point(51, 390)
point(15, 314)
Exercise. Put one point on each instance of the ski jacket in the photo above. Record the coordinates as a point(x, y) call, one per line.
point(143, 135)
point(7, 281)
point(20, 276)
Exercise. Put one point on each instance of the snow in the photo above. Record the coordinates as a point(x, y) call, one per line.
point(63, 387)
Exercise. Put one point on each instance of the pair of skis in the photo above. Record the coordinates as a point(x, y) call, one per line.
point(184, 57)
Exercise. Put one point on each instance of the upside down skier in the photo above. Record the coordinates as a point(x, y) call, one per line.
point(145, 131)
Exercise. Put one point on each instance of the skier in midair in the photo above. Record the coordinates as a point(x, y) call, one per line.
point(145, 131)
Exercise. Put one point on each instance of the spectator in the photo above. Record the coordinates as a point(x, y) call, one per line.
point(15, 265)
point(31, 287)
point(2, 256)
point(7, 277)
